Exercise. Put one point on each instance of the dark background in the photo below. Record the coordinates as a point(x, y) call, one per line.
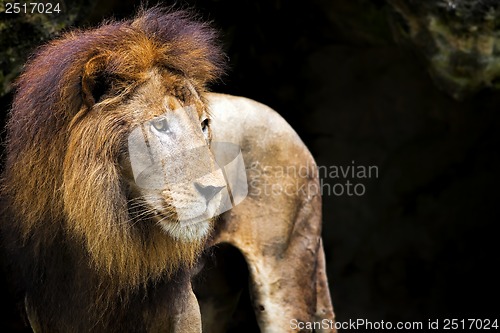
point(421, 243)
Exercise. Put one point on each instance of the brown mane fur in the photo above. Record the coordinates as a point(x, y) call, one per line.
point(65, 204)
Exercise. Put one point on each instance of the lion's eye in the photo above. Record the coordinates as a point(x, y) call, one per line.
point(204, 126)
point(161, 125)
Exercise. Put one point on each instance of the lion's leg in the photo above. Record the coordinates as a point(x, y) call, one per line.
point(188, 320)
point(324, 308)
point(286, 264)
point(178, 313)
point(282, 272)
point(287, 291)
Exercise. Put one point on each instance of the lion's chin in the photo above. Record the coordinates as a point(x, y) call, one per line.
point(187, 231)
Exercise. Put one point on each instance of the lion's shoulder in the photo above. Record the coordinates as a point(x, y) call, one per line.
point(252, 124)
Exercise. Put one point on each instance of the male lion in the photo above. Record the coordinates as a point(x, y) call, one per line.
point(110, 192)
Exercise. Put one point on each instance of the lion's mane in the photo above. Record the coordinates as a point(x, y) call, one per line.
point(65, 207)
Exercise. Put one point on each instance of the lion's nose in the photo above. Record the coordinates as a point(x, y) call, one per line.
point(208, 191)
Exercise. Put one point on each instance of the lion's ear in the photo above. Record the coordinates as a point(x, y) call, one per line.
point(94, 83)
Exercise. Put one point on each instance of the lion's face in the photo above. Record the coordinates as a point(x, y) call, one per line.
point(169, 170)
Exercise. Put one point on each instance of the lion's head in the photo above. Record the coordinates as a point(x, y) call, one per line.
point(107, 145)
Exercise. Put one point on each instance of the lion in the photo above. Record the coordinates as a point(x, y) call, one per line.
point(112, 195)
